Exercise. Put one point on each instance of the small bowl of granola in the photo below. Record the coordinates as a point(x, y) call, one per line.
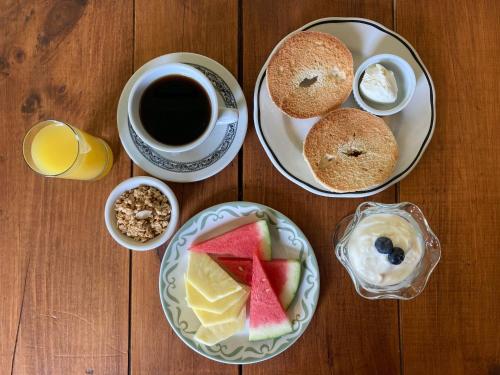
point(141, 213)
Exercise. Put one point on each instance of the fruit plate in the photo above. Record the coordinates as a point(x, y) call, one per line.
point(288, 241)
point(282, 136)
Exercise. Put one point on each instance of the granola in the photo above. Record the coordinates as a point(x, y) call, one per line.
point(142, 213)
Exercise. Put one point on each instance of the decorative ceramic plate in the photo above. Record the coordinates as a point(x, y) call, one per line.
point(282, 136)
point(211, 156)
point(288, 241)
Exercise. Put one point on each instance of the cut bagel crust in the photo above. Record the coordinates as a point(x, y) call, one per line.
point(350, 150)
point(310, 74)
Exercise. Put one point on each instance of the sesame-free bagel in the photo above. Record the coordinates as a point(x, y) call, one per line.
point(310, 74)
point(350, 150)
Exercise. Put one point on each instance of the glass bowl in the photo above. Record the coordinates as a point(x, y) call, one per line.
point(411, 286)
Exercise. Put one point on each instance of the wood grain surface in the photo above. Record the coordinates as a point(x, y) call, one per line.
point(208, 27)
point(74, 302)
point(453, 327)
point(64, 282)
point(348, 334)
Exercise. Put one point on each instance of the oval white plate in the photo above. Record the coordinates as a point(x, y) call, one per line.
point(282, 136)
point(288, 241)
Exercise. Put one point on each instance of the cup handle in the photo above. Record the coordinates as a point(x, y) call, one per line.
point(227, 116)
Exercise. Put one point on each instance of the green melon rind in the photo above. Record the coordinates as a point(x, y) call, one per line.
point(292, 284)
point(269, 331)
point(265, 241)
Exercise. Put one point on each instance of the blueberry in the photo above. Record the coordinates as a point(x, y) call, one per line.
point(383, 245)
point(396, 256)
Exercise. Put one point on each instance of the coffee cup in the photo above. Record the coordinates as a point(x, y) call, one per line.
point(218, 114)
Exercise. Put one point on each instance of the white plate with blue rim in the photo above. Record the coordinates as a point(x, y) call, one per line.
point(205, 160)
point(287, 241)
point(282, 136)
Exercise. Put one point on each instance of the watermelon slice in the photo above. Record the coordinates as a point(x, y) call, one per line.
point(267, 317)
point(284, 275)
point(239, 268)
point(241, 242)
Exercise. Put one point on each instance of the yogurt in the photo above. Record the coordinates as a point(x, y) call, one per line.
point(374, 267)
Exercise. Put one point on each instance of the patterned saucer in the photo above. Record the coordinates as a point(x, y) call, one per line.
point(211, 156)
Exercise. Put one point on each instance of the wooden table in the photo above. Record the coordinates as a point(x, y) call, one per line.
point(73, 302)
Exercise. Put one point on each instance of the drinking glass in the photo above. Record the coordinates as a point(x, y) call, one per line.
point(55, 149)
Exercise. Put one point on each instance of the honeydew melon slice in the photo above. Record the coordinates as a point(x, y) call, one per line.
point(209, 319)
point(195, 299)
point(217, 333)
point(208, 278)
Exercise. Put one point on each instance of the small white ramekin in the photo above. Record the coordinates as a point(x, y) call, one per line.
point(110, 217)
point(405, 79)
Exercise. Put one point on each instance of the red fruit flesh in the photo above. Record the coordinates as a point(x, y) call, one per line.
point(265, 308)
point(241, 242)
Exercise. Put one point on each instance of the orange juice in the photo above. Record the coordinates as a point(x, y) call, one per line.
point(55, 149)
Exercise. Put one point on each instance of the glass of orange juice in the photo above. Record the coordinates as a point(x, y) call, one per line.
point(55, 149)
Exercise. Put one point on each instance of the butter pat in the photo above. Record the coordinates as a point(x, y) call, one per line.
point(379, 85)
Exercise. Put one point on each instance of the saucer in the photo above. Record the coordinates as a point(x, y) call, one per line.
point(212, 155)
point(282, 137)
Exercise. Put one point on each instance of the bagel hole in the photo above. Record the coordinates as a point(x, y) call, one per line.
point(308, 82)
point(353, 153)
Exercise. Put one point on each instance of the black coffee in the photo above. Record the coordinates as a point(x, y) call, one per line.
point(175, 110)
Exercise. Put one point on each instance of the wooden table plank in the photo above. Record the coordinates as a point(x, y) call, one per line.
point(64, 281)
point(208, 27)
point(348, 334)
point(452, 328)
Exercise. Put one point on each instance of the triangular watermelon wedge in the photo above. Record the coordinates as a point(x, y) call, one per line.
point(284, 275)
point(241, 242)
point(239, 268)
point(267, 317)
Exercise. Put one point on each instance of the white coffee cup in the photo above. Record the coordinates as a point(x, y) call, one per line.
point(219, 114)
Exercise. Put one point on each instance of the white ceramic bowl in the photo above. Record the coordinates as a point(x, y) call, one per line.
point(405, 79)
point(110, 218)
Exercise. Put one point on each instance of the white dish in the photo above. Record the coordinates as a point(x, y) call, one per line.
point(287, 241)
point(110, 218)
point(405, 79)
point(282, 136)
point(205, 160)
